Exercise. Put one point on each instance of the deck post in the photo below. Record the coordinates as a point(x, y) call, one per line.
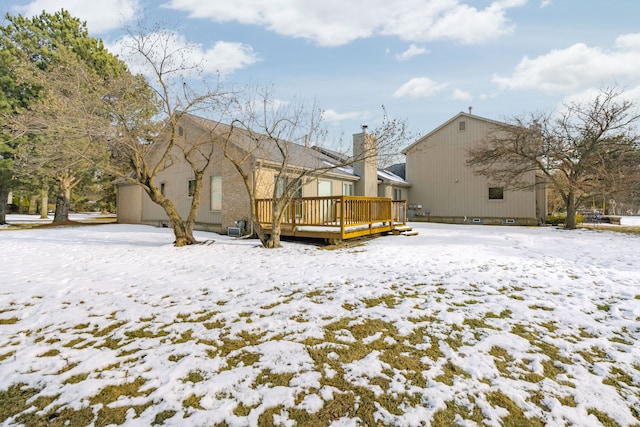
point(342, 216)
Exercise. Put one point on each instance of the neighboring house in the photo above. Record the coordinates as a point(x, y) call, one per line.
point(225, 202)
point(445, 189)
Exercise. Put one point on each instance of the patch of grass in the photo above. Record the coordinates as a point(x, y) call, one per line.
point(50, 353)
point(144, 333)
point(176, 357)
point(267, 377)
point(389, 301)
point(617, 377)
point(604, 419)
point(502, 359)
point(504, 314)
point(449, 416)
point(75, 379)
point(477, 324)
point(192, 401)
point(111, 343)
point(9, 321)
point(186, 336)
point(595, 354)
point(163, 416)
point(107, 330)
point(111, 393)
point(5, 356)
point(73, 342)
point(243, 358)
point(118, 414)
point(193, 377)
point(14, 400)
point(450, 372)
point(540, 307)
point(81, 326)
point(604, 307)
point(516, 416)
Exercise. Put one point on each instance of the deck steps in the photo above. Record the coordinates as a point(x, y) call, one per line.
point(405, 230)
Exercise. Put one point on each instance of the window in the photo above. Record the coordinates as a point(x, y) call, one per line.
point(496, 193)
point(324, 188)
point(347, 189)
point(216, 193)
point(397, 194)
point(191, 187)
point(282, 184)
point(180, 131)
point(462, 125)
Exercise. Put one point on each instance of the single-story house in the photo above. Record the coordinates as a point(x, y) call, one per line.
point(225, 202)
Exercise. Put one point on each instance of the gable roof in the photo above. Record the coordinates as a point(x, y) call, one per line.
point(447, 123)
point(298, 156)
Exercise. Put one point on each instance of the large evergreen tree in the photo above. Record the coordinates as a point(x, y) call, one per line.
point(52, 116)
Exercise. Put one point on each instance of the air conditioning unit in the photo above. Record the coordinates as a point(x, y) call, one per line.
point(234, 231)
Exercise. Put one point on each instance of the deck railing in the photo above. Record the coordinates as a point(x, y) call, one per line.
point(338, 217)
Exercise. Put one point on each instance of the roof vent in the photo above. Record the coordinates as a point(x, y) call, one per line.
point(470, 109)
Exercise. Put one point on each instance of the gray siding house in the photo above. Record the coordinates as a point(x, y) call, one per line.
point(445, 189)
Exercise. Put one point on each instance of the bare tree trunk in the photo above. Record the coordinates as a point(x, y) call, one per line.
point(570, 222)
point(273, 242)
point(44, 202)
point(4, 196)
point(63, 201)
point(62, 209)
point(182, 233)
point(183, 236)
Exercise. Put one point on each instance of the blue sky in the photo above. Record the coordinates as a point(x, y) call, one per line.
point(424, 60)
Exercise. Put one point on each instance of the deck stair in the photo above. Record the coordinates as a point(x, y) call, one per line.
point(405, 230)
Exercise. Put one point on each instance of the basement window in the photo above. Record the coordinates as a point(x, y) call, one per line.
point(496, 193)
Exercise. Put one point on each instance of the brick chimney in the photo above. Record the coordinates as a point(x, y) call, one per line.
point(365, 155)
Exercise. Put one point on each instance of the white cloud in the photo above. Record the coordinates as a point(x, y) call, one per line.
point(227, 57)
point(181, 57)
point(332, 116)
point(577, 67)
point(336, 22)
point(101, 15)
point(461, 95)
point(412, 51)
point(419, 87)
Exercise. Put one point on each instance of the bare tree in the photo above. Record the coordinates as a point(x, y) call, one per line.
point(282, 134)
point(149, 116)
point(586, 150)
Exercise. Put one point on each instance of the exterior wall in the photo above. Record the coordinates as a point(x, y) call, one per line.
point(364, 147)
point(176, 177)
point(447, 188)
point(129, 204)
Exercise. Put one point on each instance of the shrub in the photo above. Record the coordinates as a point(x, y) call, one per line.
point(560, 218)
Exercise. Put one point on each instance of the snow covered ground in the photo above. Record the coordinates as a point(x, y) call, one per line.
point(467, 325)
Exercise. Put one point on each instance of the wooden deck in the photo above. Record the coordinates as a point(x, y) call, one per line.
point(336, 218)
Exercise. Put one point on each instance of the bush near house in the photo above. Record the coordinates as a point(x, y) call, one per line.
point(560, 218)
